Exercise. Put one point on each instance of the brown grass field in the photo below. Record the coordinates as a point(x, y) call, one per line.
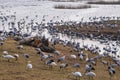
point(16, 70)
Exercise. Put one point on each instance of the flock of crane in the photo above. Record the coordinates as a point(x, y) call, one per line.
point(10, 29)
point(56, 58)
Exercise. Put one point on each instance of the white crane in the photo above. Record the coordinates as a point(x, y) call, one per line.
point(104, 63)
point(26, 55)
point(56, 52)
point(29, 65)
point(72, 56)
point(20, 46)
point(87, 58)
point(63, 65)
point(88, 67)
point(39, 51)
point(81, 57)
point(16, 56)
point(51, 63)
point(46, 56)
point(111, 71)
point(76, 65)
point(5, 52)
point(77, 74)
point(61, 59)
point(90, 75)
point(8, 57)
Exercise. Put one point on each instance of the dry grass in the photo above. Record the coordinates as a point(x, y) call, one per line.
point(16, 70)
point(105, 2)
point(72, 7)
